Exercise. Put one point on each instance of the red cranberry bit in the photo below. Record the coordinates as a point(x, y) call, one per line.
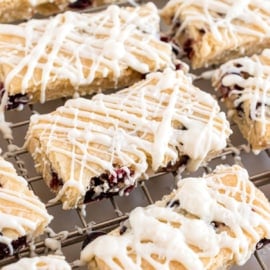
point(16, 244)
point(123, 229)
point(109, 184)
point(119, 176)
point(13, 101)
point(202, 31)
point(17, 100)
point(188, 48)
point(178, 66)
point(165, 38)
point(237, 65)
point(55, 181)
point(216, 225)
point(81, 4)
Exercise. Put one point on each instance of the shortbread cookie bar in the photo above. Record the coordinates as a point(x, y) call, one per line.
point(40, 263)
point(89, 149)
point(22, 215)
point(244, 86)
point(207, 223)
point(13, 10)
point(17, 10)
point(214, 31)
point(75, 53)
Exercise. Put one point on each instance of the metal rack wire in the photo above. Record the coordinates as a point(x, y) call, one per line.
point(108, 213)
point(19, 157)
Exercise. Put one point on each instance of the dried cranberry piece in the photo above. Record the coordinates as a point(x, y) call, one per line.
point(165, 38)
point(81, 4)
point(123, 229)
point(16, 100)
point(13, 101)
point(217, 224)
point(56, 182)
point(188, 48)
point(109, 184)
point(16, 244)
point(202, 31)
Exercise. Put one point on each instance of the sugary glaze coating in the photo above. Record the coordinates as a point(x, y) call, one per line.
point(50, 262)
point(80, 53)
point(91, 148)
point(244, 84)
point(214, 31)
point(17, 10)
point(207, 223)
point(22, 215)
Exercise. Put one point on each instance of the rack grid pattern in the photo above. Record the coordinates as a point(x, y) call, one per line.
point(70, 227)
point(113, 213)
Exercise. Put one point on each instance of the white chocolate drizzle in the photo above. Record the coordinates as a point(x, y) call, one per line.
point(21, 212)
point(144, 127)
point(193, 226)
point(242, 17)
point(50, 262)
point(252, 76)
point(81, 48)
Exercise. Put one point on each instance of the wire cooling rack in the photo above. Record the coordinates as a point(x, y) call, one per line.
point(70, 227)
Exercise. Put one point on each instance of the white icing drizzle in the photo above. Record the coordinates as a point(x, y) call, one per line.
point(50, 262)
point(133, 128)
point(14, 192)
point(244, 17)
point(183, 232)
point(224, 25)
point(255, 84)
point(80, 47)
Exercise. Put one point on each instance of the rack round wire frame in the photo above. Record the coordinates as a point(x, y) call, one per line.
point(18, 156)
point(13, 152)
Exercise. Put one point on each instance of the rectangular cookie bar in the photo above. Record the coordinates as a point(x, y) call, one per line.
point(50, 262)
point(76, 53)
point(207, 223)
point(17, 10)
point(214, 31)
point(244, 86)
point(22, 215)
point(90, 149)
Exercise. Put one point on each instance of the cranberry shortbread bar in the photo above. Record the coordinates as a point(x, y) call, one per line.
point(22, 215)
point(244, 84)
point(214, 31)
point(80, 53)
point(207, 223)
point(18, 10)
point(90, 149)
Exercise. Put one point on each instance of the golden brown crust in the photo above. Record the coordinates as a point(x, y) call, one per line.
point(82, 61)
